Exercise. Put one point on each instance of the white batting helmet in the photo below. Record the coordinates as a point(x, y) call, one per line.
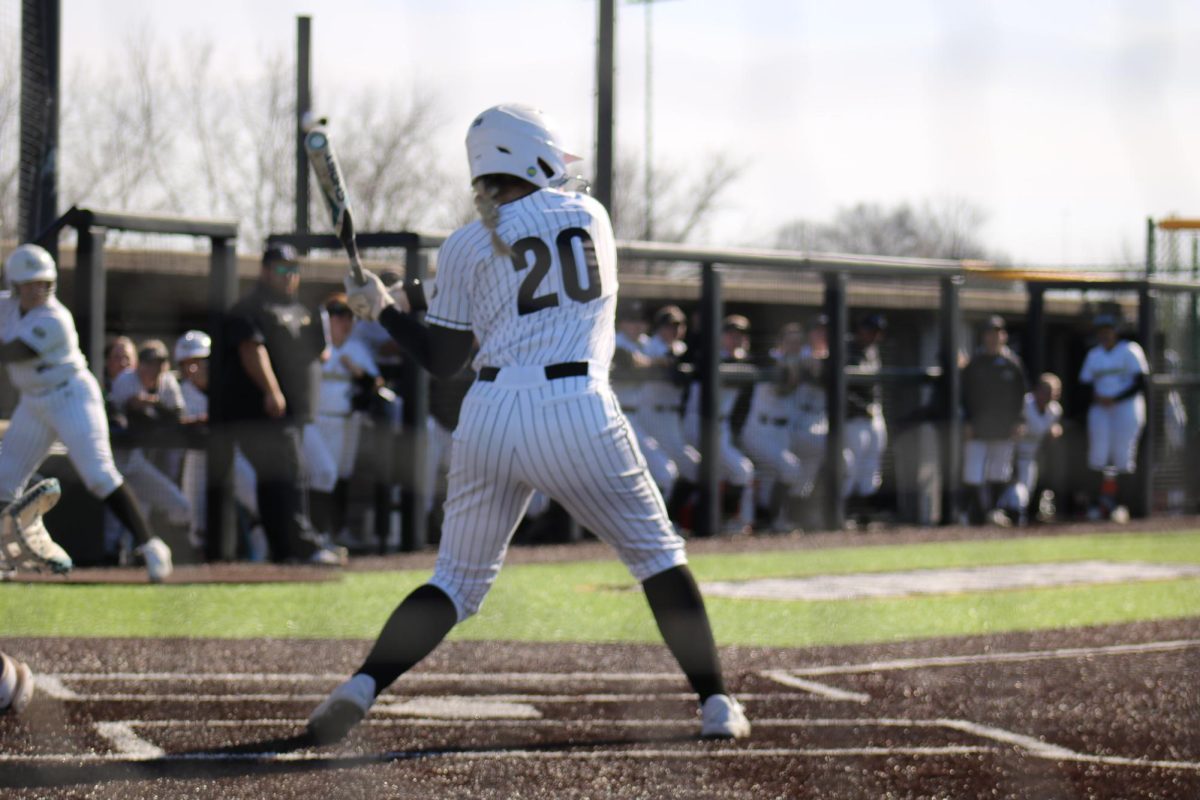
point(29, 263)
point(193, 344)
point(518, 140)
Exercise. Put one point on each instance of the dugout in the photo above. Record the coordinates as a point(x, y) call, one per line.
point(1161, 314)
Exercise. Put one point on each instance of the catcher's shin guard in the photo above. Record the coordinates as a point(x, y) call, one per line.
point(25, 544)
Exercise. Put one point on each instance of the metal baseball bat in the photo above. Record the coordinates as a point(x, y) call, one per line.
point(333, 188)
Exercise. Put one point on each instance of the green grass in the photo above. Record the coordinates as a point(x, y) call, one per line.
point(598, 601)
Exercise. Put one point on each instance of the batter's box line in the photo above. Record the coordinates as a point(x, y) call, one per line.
point(130, 746)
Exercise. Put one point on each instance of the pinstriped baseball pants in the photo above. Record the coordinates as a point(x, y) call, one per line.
point(566, 438)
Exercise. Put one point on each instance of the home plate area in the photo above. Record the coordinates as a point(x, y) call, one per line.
point(1107, 714)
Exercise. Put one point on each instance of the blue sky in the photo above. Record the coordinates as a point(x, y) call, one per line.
point(1068, 122)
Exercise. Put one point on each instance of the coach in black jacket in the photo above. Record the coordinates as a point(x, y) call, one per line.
point(271, 371)
point(993, 400)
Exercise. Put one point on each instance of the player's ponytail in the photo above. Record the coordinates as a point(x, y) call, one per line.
point(486, 203)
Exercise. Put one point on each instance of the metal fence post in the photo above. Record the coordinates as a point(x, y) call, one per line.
point(221, 533)
point(708, 366)
point(835, 398)
point(1035, 339)
point(951, 389)
point(1147, 333)
point(90, 297)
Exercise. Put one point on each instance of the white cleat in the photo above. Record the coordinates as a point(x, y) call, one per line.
point(158, 559)
point(722, 717)
point(342, 710)
point(21, 678)
point(1120, 515)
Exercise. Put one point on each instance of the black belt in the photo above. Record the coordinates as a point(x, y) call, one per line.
point(765, 420)
point(567, 369)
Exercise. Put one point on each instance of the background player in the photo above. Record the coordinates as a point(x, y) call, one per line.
point(540, 415)
point(1042, 420)
point(993, 403)
point(60, 399)
point(866, 432)
point(150, 400)
point(765, 435)
point(810, 420)
point(1116, 369)
point(628, 358)
point(661, 407)
point(737, 471)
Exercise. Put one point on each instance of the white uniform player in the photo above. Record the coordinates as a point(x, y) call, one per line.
point(810, 423)
point(1042, 419)
point(765, 436)
point(660, 407)
point(192, 351)
point(630, 354)
point(1116, 370)
point(737, 471)
point(866, 431)
point(535, 280)
point(60, 399)
point(338, 425)
point(150, 390)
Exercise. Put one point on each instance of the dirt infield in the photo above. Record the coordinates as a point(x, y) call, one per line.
point(1091, 713)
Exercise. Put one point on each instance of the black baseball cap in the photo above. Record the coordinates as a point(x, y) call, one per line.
point(280, 254)
point(876, 322)
point(994, 323)
point(673, 314)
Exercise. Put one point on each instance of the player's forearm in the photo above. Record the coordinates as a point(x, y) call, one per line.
point(257, 365)
point(442, 351)
point(1138, 385)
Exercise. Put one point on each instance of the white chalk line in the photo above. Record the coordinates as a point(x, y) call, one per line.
point(813, 687)
point(992, 658)
point(536, 678)
point(126, 742)
point(503, 755)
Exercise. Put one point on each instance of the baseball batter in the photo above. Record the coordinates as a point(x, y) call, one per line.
point(535, 279)
point(60, 399)
point(1116, 369)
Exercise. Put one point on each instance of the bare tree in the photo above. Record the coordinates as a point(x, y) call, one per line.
point(681, 202)
point(942, 229)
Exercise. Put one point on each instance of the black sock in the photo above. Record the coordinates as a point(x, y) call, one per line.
point(320, 511)
point(681, 495)
point(731, 500)
point(341, 502)
point(124, 507)
point(679, 611)
point(415, 628)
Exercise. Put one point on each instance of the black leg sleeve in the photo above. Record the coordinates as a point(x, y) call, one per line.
point(124, 507)
point(415, 628)
point(679, 611)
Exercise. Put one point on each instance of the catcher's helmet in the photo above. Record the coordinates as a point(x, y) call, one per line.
point(517, 140)
point(193, 344)
point(29, 262)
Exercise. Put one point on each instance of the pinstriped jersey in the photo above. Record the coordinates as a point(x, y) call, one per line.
point(49, 330)
point(552, 301)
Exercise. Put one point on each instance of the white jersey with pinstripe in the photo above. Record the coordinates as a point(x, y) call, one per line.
point(552, 302)
point(60, 400)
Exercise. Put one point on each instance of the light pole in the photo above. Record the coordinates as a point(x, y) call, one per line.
point(648, 223)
